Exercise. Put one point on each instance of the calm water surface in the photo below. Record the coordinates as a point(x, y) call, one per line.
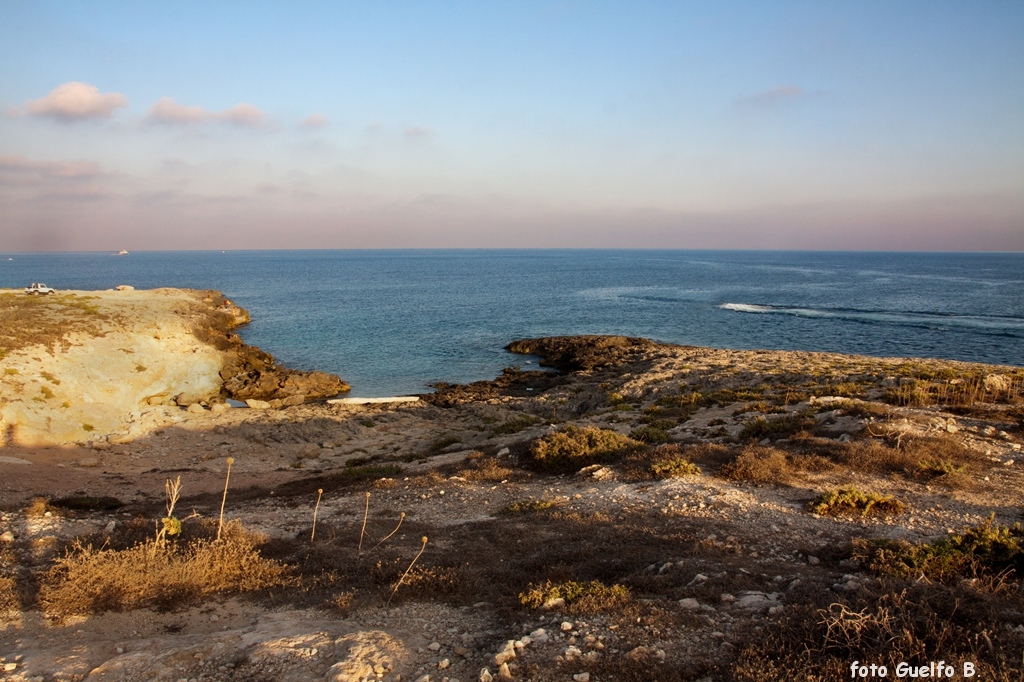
point(392, 322)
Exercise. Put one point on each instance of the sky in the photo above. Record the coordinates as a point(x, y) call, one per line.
point(874, 125)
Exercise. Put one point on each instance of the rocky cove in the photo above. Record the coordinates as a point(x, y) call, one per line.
point(646, 512)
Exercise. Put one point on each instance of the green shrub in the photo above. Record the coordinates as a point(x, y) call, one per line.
point(585, 597)
point(774, 428)
point(649, 434)
point(674, 468)
point(758, 465)
point(515, 425)
point(525, 506)
point(987, 549)
point(574, 447)
point(853, 501)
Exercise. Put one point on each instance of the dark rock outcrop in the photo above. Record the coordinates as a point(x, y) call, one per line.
point(581, 353)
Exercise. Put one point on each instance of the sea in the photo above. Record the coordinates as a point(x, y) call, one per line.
point(394, 322)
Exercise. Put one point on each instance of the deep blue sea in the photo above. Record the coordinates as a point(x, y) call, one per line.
point(391, 322)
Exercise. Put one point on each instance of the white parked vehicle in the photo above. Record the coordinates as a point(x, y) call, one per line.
point(38, 288)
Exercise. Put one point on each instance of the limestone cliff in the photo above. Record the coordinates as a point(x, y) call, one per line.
point(78, 365)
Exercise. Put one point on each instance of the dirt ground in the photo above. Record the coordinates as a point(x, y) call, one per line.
point(729, 573)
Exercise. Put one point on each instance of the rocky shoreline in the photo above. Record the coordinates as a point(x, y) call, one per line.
point(644, 512)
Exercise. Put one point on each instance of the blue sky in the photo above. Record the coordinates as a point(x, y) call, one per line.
point(816, 125)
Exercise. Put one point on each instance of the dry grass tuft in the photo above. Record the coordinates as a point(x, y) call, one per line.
point(485, 470)
point(149, 574)
point(916, 624)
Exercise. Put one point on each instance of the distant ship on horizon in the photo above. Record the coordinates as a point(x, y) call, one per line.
point(122, 252)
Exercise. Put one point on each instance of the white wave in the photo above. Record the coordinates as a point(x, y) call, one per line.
point(749, 308)
point(934, 320)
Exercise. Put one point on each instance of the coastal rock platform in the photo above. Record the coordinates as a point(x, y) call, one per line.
point(639, 511)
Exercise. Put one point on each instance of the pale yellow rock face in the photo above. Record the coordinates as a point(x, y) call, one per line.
point(95, 385)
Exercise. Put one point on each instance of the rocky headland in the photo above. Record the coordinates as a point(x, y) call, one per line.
point(77, 366)
point(638, 511)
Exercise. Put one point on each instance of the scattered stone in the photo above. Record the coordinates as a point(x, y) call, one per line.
point(553, 603)
point(196, 408)
point(757, 601)
point(255, 404)
point(217, 408)
point(727, 598)
point(441, 665)
point(566, 626)
point(581, 677)
point(7, 536)
point(540, 635)
point(690, 604)
point(699, 578)
point(813, 560)
point(485, 675)
point(504, 452)
point(504, 672)
point(506, 654)
point(434, 646)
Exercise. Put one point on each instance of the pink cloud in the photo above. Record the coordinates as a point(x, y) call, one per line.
point(169, 112)
point(77, 101)
point(19, 170)
point(314, 121)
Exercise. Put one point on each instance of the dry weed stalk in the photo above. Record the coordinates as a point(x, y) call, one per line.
point(224, 499)
point(402, 579)
point(366, 513)
point(388, 536)
point(319, 494)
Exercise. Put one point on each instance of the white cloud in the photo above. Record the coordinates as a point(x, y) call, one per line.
point(314, 121)
point(169, 112)
point(77, 101)
point(418, 132)
point(775, 95)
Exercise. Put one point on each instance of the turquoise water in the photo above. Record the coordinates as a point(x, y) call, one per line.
point(392, 322)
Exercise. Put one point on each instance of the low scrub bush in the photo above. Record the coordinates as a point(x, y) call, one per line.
point(164, 575)
point(774, 428)
point(574, 447)
point(649, 434)
point(580, 597)
point(847, 501)
point(515, 425)
point(674, 468)
point(486, 469)
point(526, 506)
point(758, 465)
point(984, 550)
